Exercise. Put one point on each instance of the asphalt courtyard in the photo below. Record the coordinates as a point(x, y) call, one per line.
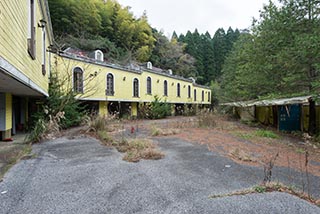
point(80, 175)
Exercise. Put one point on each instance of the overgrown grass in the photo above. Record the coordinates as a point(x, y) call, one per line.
point(155, 131)
point(266, 134)
point(138, 149)
point(11, 155)
point(206, 119)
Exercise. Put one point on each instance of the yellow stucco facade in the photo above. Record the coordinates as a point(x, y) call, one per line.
point(95, 83)
point(26, 64)
point(25, 35)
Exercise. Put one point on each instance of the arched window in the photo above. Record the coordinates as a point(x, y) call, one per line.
point(178, 90)
point(189, 91)
point(149, 91)
point(98, 55)
point(208, 96)
point(165, 88)
point(110, 85)
point(202, 96)
point(195, 94)
point(78, 80)
point(136, 87)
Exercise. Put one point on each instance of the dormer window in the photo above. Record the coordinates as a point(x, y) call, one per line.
point(98, 55)
point(149, 65)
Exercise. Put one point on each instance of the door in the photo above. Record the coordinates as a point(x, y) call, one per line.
point(289, 117)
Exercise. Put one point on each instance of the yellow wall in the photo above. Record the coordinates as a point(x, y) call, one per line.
point(305, 117)
point(13, 40)
point(8, 111)
point(264, 114)
point(95, 85)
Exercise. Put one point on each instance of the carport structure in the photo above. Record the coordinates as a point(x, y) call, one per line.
point(285, 114)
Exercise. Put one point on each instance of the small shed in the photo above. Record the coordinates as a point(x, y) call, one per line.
point(286, 114)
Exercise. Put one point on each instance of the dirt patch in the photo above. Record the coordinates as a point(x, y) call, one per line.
point(251, 145)
point(246, 145)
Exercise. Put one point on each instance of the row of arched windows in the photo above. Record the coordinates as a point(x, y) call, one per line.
point(78, 86)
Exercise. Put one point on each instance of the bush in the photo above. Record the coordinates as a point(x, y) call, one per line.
point(206, 119)
point(60, 111)
point(157, 109)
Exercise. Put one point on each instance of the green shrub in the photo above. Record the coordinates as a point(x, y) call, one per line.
point(61, 110)
point(157, 109)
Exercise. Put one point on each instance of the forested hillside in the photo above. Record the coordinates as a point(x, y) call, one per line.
point(281, 57)
point(278, 56)
point(106, 25)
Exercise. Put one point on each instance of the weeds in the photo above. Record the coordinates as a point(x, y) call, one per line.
point(270, 187)
point(266, 134)
point(267, 169)
point(10, 156)
point(138, 149)
point(206, 119)
point(155, 131)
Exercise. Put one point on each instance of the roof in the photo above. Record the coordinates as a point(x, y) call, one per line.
point(77, 54)
point(272, 102)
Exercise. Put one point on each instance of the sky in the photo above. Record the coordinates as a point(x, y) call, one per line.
point(205, 15)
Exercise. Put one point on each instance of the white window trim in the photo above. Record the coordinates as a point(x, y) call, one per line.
point(114, 83)
point(83, 85)
point(139, 91)
point(150, 85)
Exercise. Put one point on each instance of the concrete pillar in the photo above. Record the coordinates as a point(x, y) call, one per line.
point(134, 109)
point(103, 108)
point(5, 115)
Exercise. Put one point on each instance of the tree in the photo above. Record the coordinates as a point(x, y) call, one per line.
point(282, 55)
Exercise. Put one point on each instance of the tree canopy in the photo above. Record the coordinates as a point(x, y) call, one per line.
point(281, 57)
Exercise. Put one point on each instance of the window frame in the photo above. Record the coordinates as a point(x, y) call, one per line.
point(110, 88)
point(135, 87)
point(189, 91)
point(149, 85)
point(195, 94)
point(31, 39)
point(165, 88)
point(202, 96)
point(78, 88)
point(178, 90)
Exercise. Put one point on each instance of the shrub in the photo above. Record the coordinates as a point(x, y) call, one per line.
point(157, 109)
point(60, 110)
point(206, 119)
point(138, 149)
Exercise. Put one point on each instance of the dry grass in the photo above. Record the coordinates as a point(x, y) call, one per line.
point(206, 119)
point(11, 155)
point(242, 155)
point(155, 131)
point(138, 149)
point(271, 187)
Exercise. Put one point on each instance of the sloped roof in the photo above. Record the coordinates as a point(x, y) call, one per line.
point(271, 102)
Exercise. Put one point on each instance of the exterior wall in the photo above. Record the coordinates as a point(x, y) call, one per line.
point(14, 56)
point(95, 76)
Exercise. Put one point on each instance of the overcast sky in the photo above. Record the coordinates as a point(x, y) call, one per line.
point(205, 15)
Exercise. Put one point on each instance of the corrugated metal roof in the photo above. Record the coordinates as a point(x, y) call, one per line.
point(272, 102)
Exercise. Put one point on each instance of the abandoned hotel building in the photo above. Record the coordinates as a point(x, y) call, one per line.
point(26, 64)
